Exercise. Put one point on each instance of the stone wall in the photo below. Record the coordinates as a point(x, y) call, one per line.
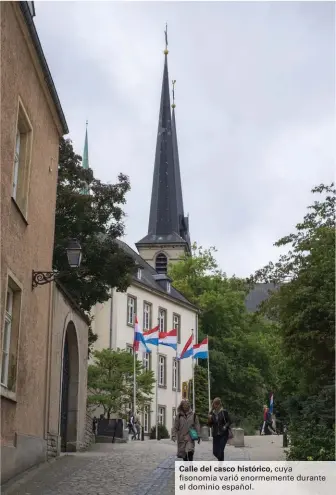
point(89, 436)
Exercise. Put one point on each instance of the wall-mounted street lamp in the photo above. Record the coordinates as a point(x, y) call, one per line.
point(74, 254)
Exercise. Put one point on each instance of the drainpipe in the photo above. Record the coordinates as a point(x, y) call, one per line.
point(48, 360)
point(111, 316)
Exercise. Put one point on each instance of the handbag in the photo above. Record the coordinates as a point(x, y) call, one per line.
point(193, 432)
point(230, 434)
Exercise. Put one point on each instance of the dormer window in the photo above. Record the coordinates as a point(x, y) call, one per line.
point(139, 273)
point(168, 287)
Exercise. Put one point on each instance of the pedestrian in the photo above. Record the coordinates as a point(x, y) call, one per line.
point(268, 428)
point(186, 431)
point(220, 422)
point(133, 427)
point(137, 427)
point(94, 425)
point(263, 424)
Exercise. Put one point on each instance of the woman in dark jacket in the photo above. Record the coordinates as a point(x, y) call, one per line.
point(220, 422)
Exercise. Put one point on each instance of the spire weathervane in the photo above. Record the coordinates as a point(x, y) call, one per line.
point(166, 40)
point(173, 83)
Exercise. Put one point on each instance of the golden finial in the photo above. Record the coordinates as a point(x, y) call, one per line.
point(166, 40)
point(173, 82)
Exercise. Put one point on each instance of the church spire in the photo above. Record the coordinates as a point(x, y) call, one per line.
point(167, 224)
point(85, 160)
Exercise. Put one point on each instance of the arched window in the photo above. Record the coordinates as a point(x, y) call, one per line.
point(161, 263)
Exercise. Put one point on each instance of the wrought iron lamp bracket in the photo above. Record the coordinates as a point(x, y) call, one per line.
point(42, 278)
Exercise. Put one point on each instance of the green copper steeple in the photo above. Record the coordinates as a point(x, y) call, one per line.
point(85, 159)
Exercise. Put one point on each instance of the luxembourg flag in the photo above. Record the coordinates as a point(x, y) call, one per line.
point(168, 338)
point(201, 351)
point(271, 404)
point(187, 350)
point(139, 343)
point(152, 336)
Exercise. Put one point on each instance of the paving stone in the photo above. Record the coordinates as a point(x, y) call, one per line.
point(137, 468)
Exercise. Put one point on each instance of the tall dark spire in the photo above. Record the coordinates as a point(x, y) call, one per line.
point(167, 223)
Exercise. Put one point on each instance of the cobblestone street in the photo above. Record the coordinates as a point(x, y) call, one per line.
point(135, 468)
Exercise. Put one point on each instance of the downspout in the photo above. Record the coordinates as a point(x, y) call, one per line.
point(48, 361)
point(111, 318)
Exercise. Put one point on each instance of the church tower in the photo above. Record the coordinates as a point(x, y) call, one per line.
point(168, 229)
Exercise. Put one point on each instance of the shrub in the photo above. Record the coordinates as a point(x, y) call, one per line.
point(162, 432)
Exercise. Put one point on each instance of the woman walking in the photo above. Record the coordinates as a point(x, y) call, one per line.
point(220, 422)
point(186, 431)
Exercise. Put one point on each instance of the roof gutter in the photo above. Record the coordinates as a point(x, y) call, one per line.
point(47, 75)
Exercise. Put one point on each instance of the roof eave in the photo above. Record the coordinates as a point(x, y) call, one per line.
point(44, 65)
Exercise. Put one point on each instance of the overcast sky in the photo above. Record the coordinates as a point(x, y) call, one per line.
point(255, 109)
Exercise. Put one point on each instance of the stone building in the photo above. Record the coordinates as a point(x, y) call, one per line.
point(152, 296)
point(37, 324)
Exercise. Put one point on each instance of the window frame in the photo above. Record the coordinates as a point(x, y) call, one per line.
point(147, 357)
point(164, 415)
point(11, 325)
point(150, 307)
point(164, 312)
point(176, 366)
point(6, 337)
point(21, 168)
point(162, 384)
point(134, 299)
point(130, 349)
point(176, 315)
point(174, 414)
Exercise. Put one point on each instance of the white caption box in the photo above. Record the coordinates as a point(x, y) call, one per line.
point(259, 478)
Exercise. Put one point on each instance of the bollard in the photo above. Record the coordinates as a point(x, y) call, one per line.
point(142, 433)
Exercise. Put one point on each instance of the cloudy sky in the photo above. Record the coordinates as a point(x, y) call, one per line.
point(255, 108)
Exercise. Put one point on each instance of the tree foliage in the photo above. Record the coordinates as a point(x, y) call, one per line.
point(96, 221)
point(110, 382)
point(304, 307)
point(240, 368)
point(201, 394)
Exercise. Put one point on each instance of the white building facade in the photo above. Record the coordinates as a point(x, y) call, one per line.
point(114, 325)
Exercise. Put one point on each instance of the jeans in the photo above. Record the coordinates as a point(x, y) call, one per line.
point(218, 446)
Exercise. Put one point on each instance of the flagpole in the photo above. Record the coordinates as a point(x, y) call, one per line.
point(177, 381)
point(193, 371)
point(157, 387)
point(134, 382)
point(209, 391)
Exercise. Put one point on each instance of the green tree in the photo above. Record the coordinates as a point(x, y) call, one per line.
point(304, 308)
point(201, 394)
point(240, 367)
point(110, 382)
point(96, 220)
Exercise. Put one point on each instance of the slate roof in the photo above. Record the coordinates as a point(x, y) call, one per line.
point(166, 217)
point(257, 295)
point(148, 274)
